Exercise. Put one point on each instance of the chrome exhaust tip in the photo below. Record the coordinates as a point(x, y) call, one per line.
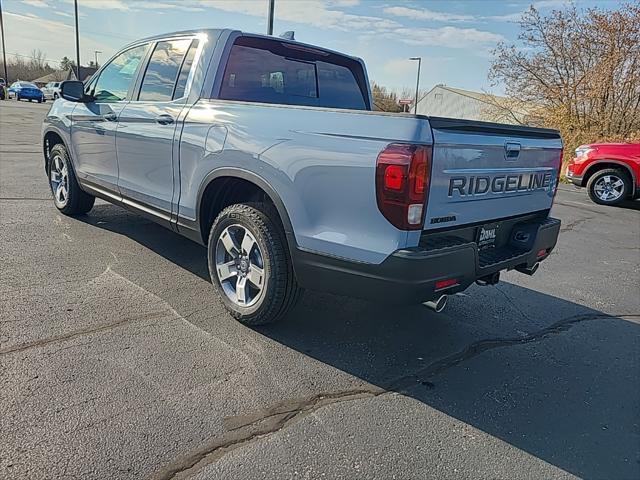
point(529, 271)
point(438, 304)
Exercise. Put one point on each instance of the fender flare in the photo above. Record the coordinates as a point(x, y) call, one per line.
point(258, 181)
point(59, 133)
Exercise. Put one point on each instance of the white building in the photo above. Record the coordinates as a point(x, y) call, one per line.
point(444, 101)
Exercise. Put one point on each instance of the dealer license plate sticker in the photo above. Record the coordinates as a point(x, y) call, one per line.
point(486, 236)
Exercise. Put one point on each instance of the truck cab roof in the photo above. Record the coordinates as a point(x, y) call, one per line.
point(227, 33)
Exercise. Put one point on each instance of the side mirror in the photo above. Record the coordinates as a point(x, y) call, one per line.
point(73, 90)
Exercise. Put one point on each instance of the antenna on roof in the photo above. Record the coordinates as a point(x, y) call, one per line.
point(288, 35)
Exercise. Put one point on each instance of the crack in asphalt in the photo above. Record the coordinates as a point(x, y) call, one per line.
point(278, 417)
point(84, 331)
point(246, 429)
point(575, 223)
point(481, 346)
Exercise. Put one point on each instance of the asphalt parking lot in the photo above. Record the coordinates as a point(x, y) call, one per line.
point(118, 362)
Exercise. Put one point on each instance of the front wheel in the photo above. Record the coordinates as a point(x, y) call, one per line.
point(68, 197)
point(609, 186)
point(249, 264)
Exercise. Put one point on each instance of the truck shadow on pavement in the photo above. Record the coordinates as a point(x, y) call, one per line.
point(551, 377)
point(630, 204)
point(548, 376)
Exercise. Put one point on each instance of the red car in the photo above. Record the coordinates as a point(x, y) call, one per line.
point(610, 171)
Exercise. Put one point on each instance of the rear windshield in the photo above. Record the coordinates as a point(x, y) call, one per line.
point(268, 71)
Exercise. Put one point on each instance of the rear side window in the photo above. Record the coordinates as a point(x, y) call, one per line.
point(269, 71)
point(162, 72)
point(181, 84)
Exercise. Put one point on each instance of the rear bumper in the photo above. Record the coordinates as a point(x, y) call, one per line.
point(410, 275)
point(31, 96)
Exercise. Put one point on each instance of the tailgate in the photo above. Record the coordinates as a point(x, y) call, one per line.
point(485, 171)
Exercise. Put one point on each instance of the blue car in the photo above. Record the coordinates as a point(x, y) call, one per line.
point(25, 91)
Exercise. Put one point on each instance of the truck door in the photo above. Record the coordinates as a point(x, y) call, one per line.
point(94, 123)
point(147, 127)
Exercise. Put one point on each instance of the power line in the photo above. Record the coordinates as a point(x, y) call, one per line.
point(48, 61)
point(34, 57)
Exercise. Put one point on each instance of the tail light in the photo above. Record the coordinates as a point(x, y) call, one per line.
point(402, 184)
point(555, 190)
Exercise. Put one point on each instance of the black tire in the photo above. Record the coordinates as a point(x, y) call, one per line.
point(78, 201)
point(55, 96)
point(280, 292)
point(615, 175)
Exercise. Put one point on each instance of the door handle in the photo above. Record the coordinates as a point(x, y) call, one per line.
point(164, 119)
point(110, 117)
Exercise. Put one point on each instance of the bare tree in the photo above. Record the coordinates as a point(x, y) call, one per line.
point(384, 100)
point(27, 67)
point(37, 61)
point(576, 70)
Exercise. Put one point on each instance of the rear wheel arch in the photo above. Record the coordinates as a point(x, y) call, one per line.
point(228, 186)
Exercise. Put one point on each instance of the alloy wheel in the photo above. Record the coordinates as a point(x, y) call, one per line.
point(240, 266)
point(609, 188)
point(59, 179)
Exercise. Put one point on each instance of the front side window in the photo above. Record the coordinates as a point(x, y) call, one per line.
point(161, 75)
point(115, 79)
point(269, 71)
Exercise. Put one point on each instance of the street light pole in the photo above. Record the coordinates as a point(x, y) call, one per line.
point(270, 18)
point(97, 52)
point(415, 106)
point(75, 4)
point(4, 50)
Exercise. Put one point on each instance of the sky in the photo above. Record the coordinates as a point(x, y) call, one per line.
point(454, 38)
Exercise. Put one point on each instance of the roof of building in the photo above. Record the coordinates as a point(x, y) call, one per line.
point(85, 73)
point(481, 96)
point(57, 76)
point(61, 75)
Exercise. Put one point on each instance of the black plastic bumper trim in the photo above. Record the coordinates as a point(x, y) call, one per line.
point(409, 275)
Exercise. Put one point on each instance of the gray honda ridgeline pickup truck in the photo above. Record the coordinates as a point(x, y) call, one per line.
point(268, 152)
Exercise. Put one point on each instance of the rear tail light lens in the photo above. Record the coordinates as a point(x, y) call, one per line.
point(402, 184)
point(555, 190)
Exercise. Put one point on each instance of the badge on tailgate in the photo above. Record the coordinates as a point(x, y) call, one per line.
point(486, 236)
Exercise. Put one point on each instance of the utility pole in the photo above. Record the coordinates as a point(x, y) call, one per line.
point(75, 4)
point(97, 52)
point(4, 50)
point(270, 18)
point(415, 106)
